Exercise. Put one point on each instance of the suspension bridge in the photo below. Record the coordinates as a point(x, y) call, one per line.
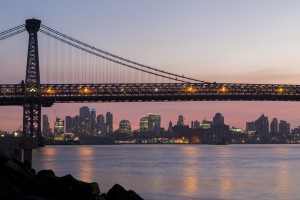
point(83, 73)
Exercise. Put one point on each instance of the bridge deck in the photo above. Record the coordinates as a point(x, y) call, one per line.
point(13, 94)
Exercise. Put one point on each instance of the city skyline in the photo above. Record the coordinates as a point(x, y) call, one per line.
point(236, 117)
point(180, 120)
point(212, 41)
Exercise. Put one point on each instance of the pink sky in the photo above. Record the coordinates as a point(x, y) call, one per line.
point(236, 113)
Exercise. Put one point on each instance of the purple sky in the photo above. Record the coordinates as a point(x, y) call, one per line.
point(219, 41)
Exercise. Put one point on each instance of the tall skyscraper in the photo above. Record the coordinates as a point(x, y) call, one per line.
point(144, 124)
point(124, 126)
point(87, 120)
point(92, 128)
point(274, 126)
point(77, 126)
point(58, 127)
point(101, 124)
point(154, 122)
point(170, 127)
point(218, 119)
point(69, 124)
point(284, 127)
point(84, 113)
point(262, 125)
point(46, 127)
point(109, 122)
point(180, 120)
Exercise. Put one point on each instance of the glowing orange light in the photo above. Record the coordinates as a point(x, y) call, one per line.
point(191, 89)
point(86, 90)
point(50, 91)
point(223, 89)
point(280, 90)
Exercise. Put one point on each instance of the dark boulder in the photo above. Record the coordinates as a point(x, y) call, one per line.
point(19, 182)
point(46, 174)
point(117, 192)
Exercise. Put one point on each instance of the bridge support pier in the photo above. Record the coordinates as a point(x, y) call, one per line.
point(32, 88)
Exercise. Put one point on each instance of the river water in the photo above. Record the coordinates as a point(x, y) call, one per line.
point(163, 172)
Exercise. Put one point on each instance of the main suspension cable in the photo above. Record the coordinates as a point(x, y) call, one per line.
point(11, 34)
point(109, 59)
point(120, 58)
point(12, 29)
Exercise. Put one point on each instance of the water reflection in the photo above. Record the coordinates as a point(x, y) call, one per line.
point(48, 160)
point(282, 178)
point(85, 169)
point(191, 170)
point(224, 172)
point(182, 171)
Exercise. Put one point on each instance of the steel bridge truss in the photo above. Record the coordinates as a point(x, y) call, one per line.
point(13, 94)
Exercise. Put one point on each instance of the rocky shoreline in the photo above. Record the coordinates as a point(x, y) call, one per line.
point(18, 181)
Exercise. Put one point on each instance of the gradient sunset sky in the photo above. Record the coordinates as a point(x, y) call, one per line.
point(213, 40)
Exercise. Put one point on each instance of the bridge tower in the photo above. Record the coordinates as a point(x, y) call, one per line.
point(32, 91)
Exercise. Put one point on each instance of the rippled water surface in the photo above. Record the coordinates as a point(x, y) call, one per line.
point(182, 171)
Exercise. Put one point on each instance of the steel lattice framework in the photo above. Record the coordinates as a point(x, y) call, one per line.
point(31, 87)
point(13, 94)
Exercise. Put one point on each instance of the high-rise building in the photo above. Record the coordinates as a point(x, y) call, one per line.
point(93, 128)
point(46, 127)
point(170, 127)
point(77, 126)
point(109, 122)
point(87, 120)
point(250, 126)
point(262, 125)
point(274, 126)
point(58, 127)
point(154, 121)
point(101, 124)
point(69, 124)
point(284, 127)
point(218, 119)
point(84, 113)
point(144, 124)
point(196, 124)
point(180, 120)
point(124, 126)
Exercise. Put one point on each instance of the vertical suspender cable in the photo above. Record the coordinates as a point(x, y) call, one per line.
point(63, 62)
point(55, 60)
point(48, 58)
point(77, 75)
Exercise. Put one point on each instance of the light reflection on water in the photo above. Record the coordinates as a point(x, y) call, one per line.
point(182, 171)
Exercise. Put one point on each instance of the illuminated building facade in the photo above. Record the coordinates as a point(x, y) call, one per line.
point(144, 124)
point(124, 126)
point(109, 122)
point(154, 122)
point(58, 127)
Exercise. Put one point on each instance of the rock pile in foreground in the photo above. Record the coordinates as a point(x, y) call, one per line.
point(18, 182)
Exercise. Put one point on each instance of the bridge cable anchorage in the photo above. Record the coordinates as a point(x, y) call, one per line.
point(180, 78)
point(112, 60)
